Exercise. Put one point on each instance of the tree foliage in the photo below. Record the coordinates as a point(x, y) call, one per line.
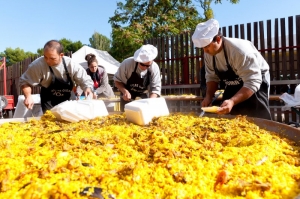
point(40, 51)
point(207, 11)
point(15, 55)
point(70, 46)
point(18, 54)
point(137, 20)
point(100, 42)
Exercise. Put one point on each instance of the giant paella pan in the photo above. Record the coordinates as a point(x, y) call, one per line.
point(176, 156)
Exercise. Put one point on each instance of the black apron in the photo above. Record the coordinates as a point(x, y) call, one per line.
point(58, 91)
point(136, 85)
point(97, 77)
point(256, 106)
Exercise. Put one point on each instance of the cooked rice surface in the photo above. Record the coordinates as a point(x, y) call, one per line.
point(179, 156)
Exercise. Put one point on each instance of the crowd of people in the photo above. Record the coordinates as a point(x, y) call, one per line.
point(233, 63)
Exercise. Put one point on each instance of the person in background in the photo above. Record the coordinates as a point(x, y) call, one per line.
point(240, 66)
point(99, 77)
point(139, 76)
point(56, 74)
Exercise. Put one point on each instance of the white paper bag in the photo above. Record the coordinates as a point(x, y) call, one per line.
point(289, 100)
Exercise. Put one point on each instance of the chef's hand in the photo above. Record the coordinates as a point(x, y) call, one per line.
point(87, 92)
point(77, 96)
point(206, 102)
point(28, 102)
point(95, 95)
point(226, 107)
point(126, 96)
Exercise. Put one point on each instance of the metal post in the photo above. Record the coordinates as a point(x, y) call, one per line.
point(4, 74)
point(1, 111)
point(4, 83)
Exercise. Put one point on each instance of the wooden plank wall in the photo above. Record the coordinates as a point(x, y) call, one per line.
point(280, 48)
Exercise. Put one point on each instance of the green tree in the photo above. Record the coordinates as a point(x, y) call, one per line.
point(70, 46)
point(137, 20)
point(15, 55)
point(207, 11)
point(40, 51)
point(100, 42)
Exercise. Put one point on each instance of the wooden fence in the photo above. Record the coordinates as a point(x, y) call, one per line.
point(13, 74)
point(277, 40)
point(180, 61)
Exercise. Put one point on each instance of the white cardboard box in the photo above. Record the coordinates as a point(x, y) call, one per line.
point(74, 111)
point(21, 110)
point(142, 111)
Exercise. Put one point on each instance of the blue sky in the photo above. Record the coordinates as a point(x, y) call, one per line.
point(29, 24)
point(248, 11)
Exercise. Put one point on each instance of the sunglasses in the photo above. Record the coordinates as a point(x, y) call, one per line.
point(145, 65)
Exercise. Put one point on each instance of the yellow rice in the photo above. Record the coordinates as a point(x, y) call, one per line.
point(175, 157)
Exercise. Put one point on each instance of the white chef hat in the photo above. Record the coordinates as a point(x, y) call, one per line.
point(146, 53)
point(205, 32)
